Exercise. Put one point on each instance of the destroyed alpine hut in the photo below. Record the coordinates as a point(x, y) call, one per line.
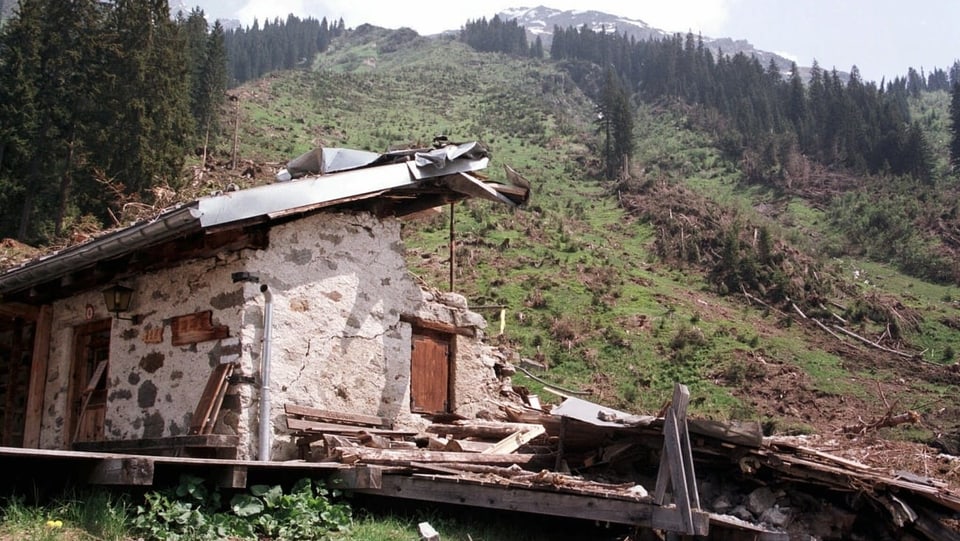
point(191, 331)
point(277, 329)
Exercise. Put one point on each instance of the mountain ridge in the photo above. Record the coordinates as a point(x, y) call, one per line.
point(539, 22)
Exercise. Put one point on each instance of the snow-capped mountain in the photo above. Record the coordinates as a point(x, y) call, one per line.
point(540, 21)
point(185, 7)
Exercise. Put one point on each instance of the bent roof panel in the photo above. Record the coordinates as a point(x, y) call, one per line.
point(232, 207)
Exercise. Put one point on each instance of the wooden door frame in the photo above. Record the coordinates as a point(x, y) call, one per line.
point(74, 385)
point(38, 378)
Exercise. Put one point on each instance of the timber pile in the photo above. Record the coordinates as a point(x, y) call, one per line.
point(756, 487)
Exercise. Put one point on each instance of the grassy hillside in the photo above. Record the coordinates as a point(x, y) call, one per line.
point(586, 273)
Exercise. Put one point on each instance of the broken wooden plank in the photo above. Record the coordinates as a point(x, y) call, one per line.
point(373, 440)
point(315, 426)
point(544, 502)
point(721, 524)
point(217, 401)
point(676, 460)
point(931, 524)
point(159, 444)
point(439, 444)
point(672, 462)
point(745, 433)
point(467, 446)
point(403, 457)
point(332, 441)
point(514, 441)
point(98, 373)
point(337, 416)
point(208, 407)
point(493, 430)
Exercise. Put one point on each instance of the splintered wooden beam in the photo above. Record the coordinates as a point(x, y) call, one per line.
point(493, 430)
point(676, 461)
point(333, 428)
point(467, 446)
point(403, 457)
point(513, 442)
point(745, 433)
point(542, 502)
point(337, 416)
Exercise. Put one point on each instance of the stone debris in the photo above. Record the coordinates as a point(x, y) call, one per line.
point(763, 488)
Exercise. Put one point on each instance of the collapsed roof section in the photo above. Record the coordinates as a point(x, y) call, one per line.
point(391, 184)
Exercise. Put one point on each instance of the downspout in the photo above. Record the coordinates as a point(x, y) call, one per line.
point(263, 453)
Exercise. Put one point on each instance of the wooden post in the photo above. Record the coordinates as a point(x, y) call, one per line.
point(676, 461)
point(236, 129)
point(38, 378)
point(453, 247)
point(560, 446)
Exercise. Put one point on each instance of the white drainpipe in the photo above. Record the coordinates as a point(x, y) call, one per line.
point(266, 429)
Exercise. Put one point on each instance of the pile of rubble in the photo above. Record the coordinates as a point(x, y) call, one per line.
point(739, 481)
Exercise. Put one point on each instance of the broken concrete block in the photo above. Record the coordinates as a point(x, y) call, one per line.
point(722, 504)
point(427, 533)
point(760, 500)
point(741, 513)
point(775, 516)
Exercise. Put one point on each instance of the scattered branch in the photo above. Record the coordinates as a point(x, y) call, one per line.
point(869, 342)
point(888, 420)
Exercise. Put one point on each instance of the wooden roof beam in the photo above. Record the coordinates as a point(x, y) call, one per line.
point(14, 310)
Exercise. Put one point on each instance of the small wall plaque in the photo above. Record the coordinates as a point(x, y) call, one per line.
point(153, 335)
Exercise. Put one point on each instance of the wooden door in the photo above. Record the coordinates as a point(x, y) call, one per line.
point(430, 373)
point(88, 383)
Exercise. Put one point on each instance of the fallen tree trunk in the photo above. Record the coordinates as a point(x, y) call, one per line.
point(888, 420)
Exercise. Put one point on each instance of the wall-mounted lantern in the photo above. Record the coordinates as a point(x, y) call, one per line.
point(117, 298)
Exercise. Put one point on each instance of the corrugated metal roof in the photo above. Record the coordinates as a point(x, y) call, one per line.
point(446, 168)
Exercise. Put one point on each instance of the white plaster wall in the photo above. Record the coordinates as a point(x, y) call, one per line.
point(152, 389)
point(339, 284)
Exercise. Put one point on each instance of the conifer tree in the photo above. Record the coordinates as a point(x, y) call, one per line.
point(955, 126)
point(149, 73)
point(536, 51)
point(89, 91)
point(214, 82)
point(615, 124)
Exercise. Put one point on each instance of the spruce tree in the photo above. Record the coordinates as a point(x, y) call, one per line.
point(213, 83)
point(955, 126)
point(50, 94)
point(615, 124)
point(151, 105)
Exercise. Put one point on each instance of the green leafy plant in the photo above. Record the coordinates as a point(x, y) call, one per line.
point(192, 511)
point(304, 513)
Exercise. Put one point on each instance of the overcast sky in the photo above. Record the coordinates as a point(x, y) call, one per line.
point(882, 37)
